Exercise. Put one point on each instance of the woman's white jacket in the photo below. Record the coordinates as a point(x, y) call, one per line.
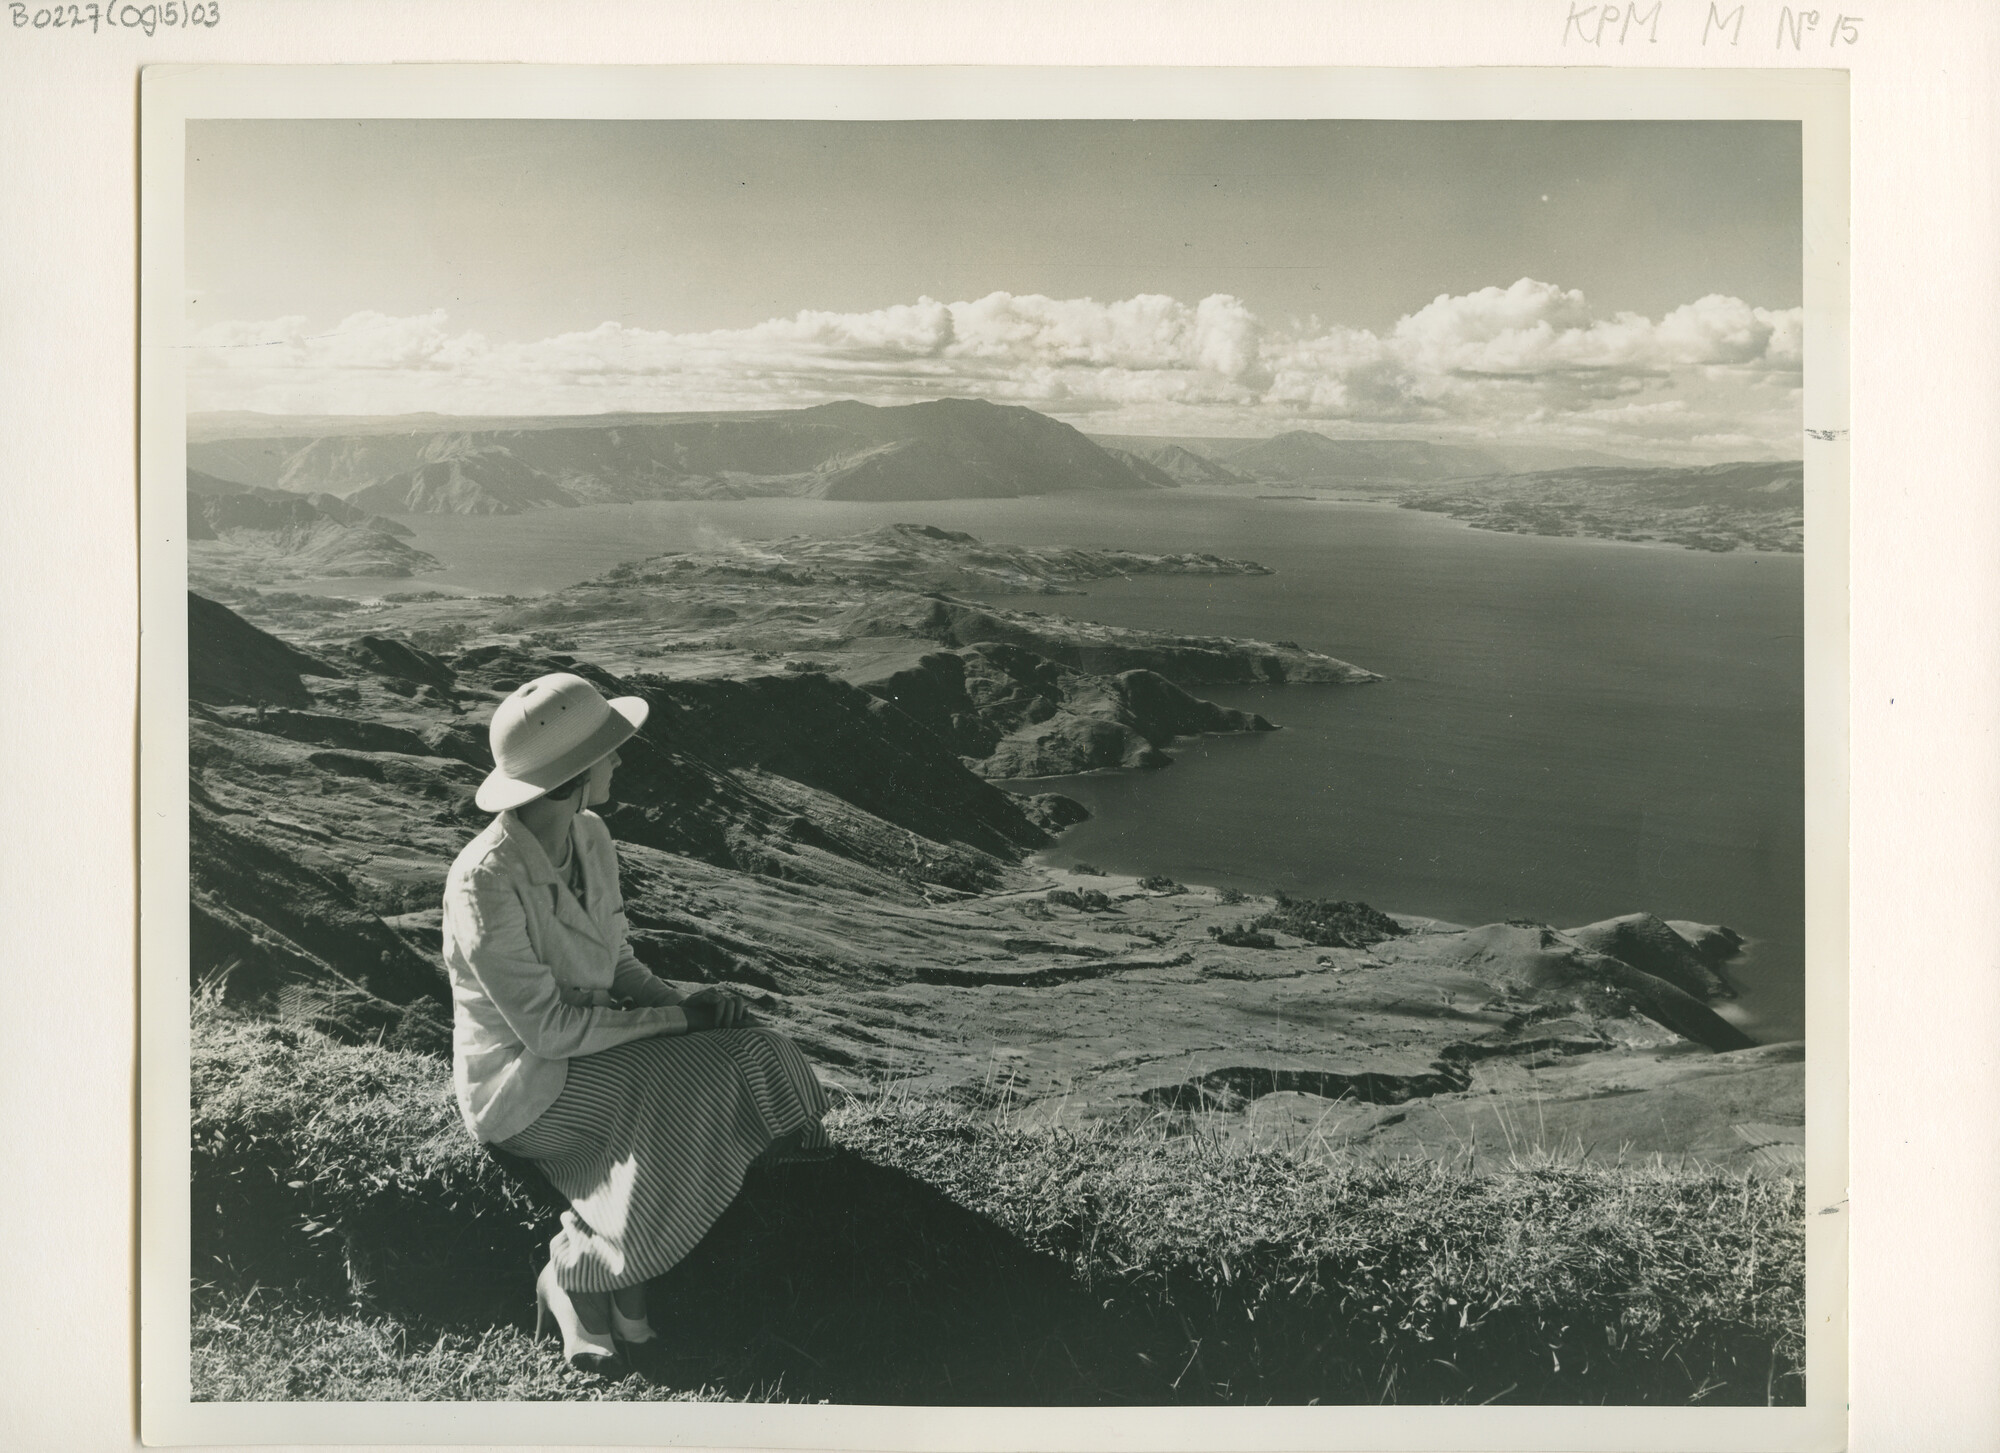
point(536, 975)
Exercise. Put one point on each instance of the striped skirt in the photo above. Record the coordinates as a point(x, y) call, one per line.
point(649, 1142)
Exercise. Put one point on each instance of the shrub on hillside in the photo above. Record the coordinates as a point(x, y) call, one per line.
point(1330, 923)
point(1241, 935)
point(1088, 901)
point(1161, 883)
point(1231, 896)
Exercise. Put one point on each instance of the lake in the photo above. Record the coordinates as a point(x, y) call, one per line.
point(1571, 729)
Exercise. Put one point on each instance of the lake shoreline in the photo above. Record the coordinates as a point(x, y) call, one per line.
point(1362, 581)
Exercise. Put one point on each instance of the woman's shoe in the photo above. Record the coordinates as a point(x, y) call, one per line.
point(630, 1329)
point(580, 1344)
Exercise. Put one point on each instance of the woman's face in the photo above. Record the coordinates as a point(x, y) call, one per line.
point(599, 788)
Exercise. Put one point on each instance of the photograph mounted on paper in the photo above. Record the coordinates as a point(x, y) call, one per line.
point(997, 762)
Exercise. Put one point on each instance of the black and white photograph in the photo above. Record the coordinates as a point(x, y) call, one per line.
point(999, 761)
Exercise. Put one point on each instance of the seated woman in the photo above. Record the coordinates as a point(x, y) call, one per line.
point(643, 1107)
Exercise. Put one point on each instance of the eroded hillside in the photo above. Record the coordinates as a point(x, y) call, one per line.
point(812, 813)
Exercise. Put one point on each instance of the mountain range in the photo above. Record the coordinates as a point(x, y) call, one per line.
point(944, 449)
point(941, 449)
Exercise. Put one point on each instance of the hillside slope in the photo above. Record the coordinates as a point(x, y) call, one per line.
point(247, 532)
point(834, 845)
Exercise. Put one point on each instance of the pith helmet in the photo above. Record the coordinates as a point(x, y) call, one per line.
point(549, 730)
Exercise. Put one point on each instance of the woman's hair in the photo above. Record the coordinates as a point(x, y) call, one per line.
point(574, 784)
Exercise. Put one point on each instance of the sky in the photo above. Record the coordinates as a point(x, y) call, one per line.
point(1631, 286)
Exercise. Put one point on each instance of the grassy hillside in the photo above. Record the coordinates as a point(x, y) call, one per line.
point(351, 1242)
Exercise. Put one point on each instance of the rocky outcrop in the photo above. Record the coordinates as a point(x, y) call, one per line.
point(389, 656)
point(835, 738)
point(1012, 713)
point(231, 662)
point(708, 774)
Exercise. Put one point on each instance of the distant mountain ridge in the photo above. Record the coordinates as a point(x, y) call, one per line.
point(1301, 455)
point(944, 449)
point(1179, 465)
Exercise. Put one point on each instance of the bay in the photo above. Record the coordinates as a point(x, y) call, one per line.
point(1571, 729)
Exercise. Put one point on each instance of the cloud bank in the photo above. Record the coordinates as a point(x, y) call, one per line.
point(1716, 377)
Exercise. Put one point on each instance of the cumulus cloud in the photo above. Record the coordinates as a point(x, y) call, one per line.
point(1528, 360)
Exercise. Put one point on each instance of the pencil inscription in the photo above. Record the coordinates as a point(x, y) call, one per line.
point(1621, 24)
point(149, 18)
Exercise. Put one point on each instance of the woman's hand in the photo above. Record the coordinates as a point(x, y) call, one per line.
point(715, 1009)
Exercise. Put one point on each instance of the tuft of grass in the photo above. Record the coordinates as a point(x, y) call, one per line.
point(339, 1162)
point(286, 1352)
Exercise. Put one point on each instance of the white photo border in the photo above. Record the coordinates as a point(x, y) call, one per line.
point(173, 95)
